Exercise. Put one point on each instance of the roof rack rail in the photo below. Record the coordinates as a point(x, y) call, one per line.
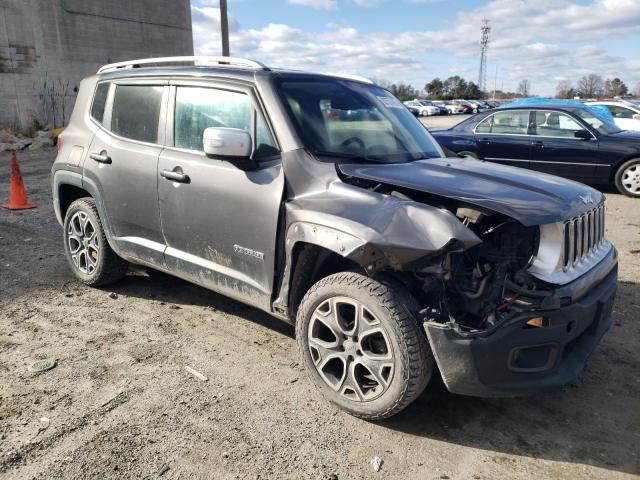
point(195, 60)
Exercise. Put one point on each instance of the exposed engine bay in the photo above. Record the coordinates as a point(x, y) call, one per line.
point(477, 289)
point(486, 284)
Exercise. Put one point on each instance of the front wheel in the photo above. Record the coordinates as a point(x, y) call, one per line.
point(361, 345)
point(628, 178)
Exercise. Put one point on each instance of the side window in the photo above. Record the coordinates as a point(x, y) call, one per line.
point(136, 112)
point(485, 125)
point(99, 102)
point(265, 145)
point(620, 112)
point(556, 124)
point(514, 122)
point(199, 108)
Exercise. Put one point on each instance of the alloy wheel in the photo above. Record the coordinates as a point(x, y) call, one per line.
point(82, 241)
point(631, 178)
point(350, 349)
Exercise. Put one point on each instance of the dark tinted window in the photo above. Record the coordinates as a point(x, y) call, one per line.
point(136, 110)
point(99, 101)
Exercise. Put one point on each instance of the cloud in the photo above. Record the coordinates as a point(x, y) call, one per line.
point(317, 4)
point(529, 39)
point(367, 3)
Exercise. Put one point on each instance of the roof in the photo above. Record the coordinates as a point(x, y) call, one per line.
point(229, 67)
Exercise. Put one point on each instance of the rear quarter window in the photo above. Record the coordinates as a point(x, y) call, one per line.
point(99, 102)
point(136, 112)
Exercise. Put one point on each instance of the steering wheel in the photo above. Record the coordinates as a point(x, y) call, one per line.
point(353, 140)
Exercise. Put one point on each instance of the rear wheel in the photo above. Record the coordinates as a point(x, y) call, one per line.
point(361, 345)
point(628, 178)
point(91, 258)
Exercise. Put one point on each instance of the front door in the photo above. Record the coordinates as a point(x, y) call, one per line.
point(220, 222)
point(122, 165)
point(504, 138)
point(556, 149)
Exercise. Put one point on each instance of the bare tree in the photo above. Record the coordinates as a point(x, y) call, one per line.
point(591, 86)
point(565, 89)
point(524, 87)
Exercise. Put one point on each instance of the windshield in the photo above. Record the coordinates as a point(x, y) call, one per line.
point(354, 120)
point(600, 123)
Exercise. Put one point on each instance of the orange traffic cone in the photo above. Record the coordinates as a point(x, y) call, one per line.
point(17, 195)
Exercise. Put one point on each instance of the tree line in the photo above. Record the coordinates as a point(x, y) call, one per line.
point(452, 88)
point(594, 86)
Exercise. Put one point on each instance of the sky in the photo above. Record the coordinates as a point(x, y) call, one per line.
point(413, 41)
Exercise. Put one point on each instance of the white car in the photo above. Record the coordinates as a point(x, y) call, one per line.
point(625, 114)
point(423, 109)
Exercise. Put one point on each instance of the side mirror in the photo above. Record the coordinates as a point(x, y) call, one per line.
point(583, 135)
point(228, 143)
point(636, 116)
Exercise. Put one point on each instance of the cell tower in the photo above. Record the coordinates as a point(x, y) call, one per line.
point(485, 30)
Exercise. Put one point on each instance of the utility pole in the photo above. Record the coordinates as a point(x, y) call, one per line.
point(485, 29)
point(224, 28)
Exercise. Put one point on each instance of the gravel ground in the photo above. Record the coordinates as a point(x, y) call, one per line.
point(120, 404)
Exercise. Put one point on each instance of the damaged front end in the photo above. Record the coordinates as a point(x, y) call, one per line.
point(503, 315)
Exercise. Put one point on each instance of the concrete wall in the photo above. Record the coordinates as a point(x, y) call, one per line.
point(48, 46)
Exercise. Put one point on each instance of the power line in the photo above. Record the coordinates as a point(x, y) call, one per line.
point(485, 30)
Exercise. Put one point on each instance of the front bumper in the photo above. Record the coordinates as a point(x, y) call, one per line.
point(513, 360)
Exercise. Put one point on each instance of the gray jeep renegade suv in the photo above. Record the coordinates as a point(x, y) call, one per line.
point(322, 200)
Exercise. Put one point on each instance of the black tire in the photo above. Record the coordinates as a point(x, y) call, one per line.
point(620, 174)
point(468, 154)
point(392, 306)
point(108, 267)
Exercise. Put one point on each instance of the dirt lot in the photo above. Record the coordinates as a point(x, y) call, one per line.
point(119, 403)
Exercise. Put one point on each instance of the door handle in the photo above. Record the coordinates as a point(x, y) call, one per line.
point(101, 157)
point(538, 144)
point(175, 175)
point(484, 140)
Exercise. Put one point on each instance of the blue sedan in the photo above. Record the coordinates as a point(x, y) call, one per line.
point(571, 141)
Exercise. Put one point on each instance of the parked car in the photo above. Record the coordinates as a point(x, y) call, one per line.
point(473, 107)
point(424, 110)
point(415, 111)
point(479, 106)
point(457, 108)
point(569, 141)
point(442, 110)
point(389, 259)
point(626, 115)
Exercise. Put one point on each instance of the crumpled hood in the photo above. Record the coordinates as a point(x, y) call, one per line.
point(529, 197)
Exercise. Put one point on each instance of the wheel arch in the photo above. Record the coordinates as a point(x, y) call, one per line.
point(313, 252)
point(615, 168)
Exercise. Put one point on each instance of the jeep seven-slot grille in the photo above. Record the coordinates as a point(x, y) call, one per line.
point(582, 236)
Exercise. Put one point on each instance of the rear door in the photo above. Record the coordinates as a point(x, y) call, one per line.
point(503, 137)
point(220, 226)
point(556, 150)
point(122, 166)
